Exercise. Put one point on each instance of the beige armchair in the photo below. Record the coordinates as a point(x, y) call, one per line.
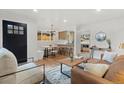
point(8, 64)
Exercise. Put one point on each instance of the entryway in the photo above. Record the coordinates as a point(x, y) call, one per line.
point(15, 39)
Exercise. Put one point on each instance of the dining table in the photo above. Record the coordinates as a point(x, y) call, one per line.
point(47, 48)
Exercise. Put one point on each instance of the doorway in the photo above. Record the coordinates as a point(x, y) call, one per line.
point(15, 39)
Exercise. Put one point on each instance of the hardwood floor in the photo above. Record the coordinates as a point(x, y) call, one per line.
point(53, 60)
point(50, 61)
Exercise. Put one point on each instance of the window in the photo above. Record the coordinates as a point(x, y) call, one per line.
point(10, 26)
point(21, 30)
point(10, 31)
point(15, 29)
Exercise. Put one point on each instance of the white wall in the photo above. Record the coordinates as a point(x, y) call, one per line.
point(31, 31)
point(113, 28)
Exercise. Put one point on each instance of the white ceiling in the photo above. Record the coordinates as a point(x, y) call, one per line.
point(73, 16)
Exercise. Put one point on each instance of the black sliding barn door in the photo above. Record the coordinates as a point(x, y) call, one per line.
point(15, 39)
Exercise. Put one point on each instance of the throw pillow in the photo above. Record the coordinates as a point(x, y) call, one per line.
point(109, 56)
point(97, 69)
point(97, 54)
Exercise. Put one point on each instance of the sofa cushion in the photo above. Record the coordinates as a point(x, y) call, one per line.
point(97, 69)
point(116, 72)
point(109, 56)
point(97, 54)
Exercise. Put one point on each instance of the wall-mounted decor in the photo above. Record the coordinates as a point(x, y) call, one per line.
point(46, 35)
point(38, 35)
point(66, 35)
point(85, 42)
point(85, 37)
point(43, 36)
point(100, 36)
point(121, 46)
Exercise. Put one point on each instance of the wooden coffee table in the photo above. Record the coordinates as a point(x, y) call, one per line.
point(70, 63)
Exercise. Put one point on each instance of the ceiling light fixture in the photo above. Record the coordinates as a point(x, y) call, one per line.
point(98, 10)
point(65, 20)
point(35, 10)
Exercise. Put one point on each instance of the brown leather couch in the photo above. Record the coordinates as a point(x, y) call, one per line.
point(115, 74)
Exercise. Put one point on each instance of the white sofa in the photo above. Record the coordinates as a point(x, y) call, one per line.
point(8, 64)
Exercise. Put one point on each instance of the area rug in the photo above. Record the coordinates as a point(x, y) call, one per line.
point(54, 76)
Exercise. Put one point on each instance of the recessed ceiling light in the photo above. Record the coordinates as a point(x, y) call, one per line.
point(65, 20)
point(98, 10)
point(35, 10)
